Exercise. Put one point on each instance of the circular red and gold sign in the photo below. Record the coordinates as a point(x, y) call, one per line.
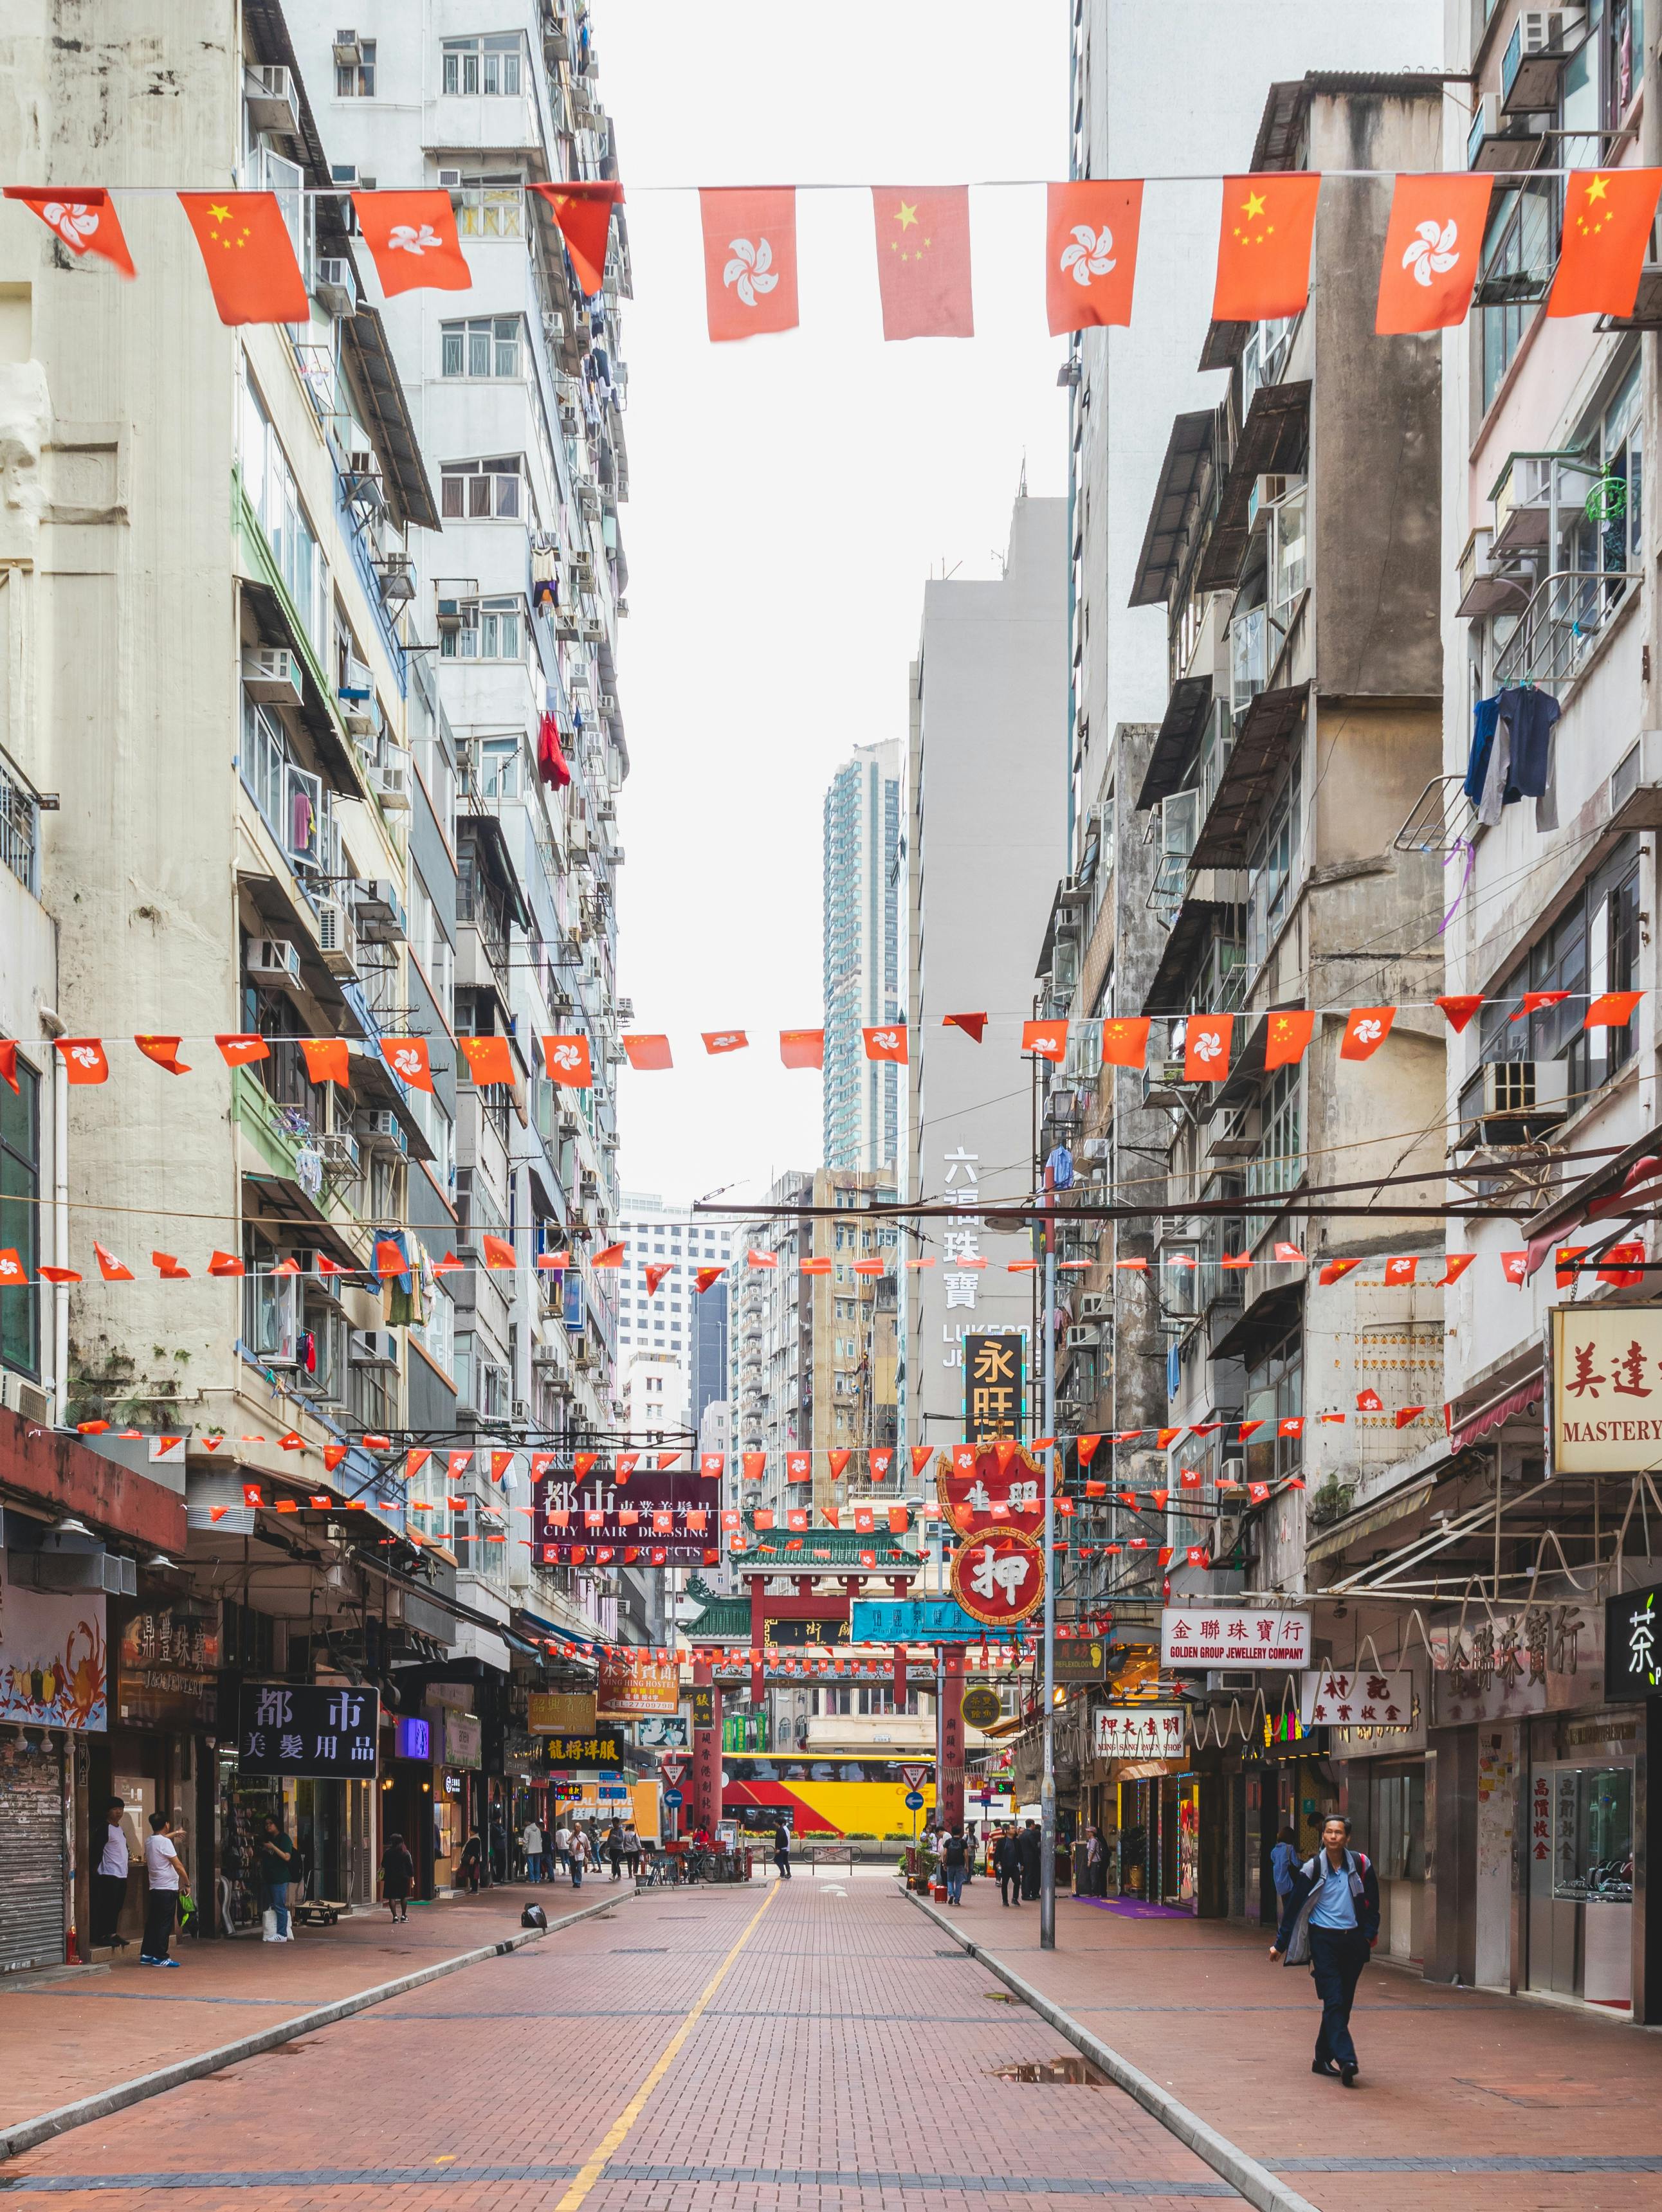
point(998, 1577)
point(990, 1486)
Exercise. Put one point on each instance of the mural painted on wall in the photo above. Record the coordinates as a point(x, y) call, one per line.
point(54, 1657)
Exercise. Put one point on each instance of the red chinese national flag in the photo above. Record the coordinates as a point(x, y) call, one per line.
point(646, 1053)
point(705, 1277)
point(1431, 251)
point(249, 256)
point(802, 1048)
point(1459, 1010)
point(1287, 1038)
point(164, 1051)
point(923, 260)
point(1263, 245)
point(1607, 227)
point(750, 260)
point(412, 236)
point(1091, 251)
point(83, 217)
point(489, 1059)
point(654, 1275)
point(1206, 1048)
point(326, 1060)
point(1125, 1042)
point(583, 211)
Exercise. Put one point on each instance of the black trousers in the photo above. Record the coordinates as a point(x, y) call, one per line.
point(1030, 1883)
point(109, 1895)
point(159, 1921)
point(1337, 1956)
point(1006, 1882)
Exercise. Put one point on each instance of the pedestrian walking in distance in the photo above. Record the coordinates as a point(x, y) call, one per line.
point(531, 1842)
point(562, 1849)
point(632, 1850)
point(109, 1883)
point(472, 1862)
point(1282, 1860)
point(398, 1877)
point(276, 1871)
point(161, 1866)
point(781, 1850)
point(1007, 1865)
point(1029, 1846)
point(614, 1850)
point(1331, 1916)
point(954, 1864)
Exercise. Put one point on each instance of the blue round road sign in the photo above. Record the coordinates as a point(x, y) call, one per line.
point(914, 1801)
point(673, 1799)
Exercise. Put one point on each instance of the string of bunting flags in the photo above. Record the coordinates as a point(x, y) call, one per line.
point(1092, 234)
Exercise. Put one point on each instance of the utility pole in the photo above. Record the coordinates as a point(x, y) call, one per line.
point(1047, 1796)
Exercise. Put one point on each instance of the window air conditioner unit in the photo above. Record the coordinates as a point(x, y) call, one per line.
point(340, 1152)
point(1550, 30)
point(380, 1125)
point(1233, 1475)
point(373, 1347)
point(357, 683)
point(521, 1409)
point(273, 103)
point(337, 938)
point(270, 673)
point(274, 957)
point(363, 467)
point(450, 615)
point(1231, 1678)
point(1085, 1339)
point(390, 781)
point(1094, 1148)
point(337, 286)
point(1096, 1305)
point(348, 49)
point(20, 1396)
point(553, 324)
point(608, 703)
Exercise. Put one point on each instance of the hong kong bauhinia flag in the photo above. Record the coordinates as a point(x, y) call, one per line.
point(1607, 226)
point(83, 220)
point(1091, 251)
point(923, 260)
point(1432, 245)
point(249, 256)
point(412, 237)
point(750, 260)
point(1263, 245)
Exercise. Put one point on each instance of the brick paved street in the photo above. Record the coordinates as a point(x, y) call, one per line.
point(1467, 2099)
point(846, 2058)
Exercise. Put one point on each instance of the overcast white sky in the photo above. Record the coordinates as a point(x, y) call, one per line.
point(790, 494)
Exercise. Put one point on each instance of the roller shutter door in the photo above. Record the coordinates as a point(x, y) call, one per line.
point(31, 1854)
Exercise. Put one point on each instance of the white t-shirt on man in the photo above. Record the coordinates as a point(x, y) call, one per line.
point(161, 1862)
point(114, 1861)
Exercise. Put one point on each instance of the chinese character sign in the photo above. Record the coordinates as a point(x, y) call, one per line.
point(999, 1577)
point(983, 1495)
point(1364, 1696)
point(649, 1492)
point(993, 1398)
point(1213, 1635)
point(631, 1686)
point(1606, 1388)
point(308, 1729)
point(599, 1747)
point(1633, 1644)
point(1140, 1731)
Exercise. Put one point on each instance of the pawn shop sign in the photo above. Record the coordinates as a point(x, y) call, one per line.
point(998, 1577)
point(1362, 1697)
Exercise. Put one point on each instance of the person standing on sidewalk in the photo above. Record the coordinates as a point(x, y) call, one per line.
point(954, 1855)
point(781, 1850)
point(161, 1866)
point(109, 1884)
point(276, 1871)
point(1029, 1848)
point(632, 1850)
point(614, 1850)
point(532, 1843)
point(1007, 1865)
point(1331, 1916)
point(398, 1877)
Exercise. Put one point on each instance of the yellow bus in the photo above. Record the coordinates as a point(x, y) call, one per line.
point(825, 1797)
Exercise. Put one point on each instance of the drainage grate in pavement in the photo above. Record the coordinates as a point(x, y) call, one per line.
point(957, 1951)
point(1077, 2073)
point(638, 1951)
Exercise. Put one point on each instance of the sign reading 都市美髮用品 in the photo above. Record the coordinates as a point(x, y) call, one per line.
point(1606, 1388)
point(307, 1729)
point(1213, 1635)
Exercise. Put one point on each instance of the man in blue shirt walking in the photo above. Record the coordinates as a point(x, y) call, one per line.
point(1331, 1916)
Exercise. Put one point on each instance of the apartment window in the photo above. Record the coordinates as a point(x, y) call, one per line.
point(1273, 869)
point(19, 1194)
point(1518, 255)
point(1592, 947)
point(491, 207)
point(487, 345)
point(494, 66)
point(428, 941)
point(1278, 1163)
point(269, 486)
point(492, 630)
point(1604, 531)
point(1624, 47)
point(438, 1334)
point(1275, 1393)
point(481, 490)
point(356, 80)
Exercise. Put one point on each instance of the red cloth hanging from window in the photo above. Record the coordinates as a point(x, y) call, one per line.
point(553, 765)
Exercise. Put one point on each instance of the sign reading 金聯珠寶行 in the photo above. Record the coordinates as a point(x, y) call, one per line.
point(307, 1729)
point(1213, 1635)
point(993, 1398)
point(1633, 1644)
point(1606, 1388)
point(1140, 1731)
point(1356, 1696)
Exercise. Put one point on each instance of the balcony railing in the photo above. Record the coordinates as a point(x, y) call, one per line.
point(1566, 615)
point(20, 826)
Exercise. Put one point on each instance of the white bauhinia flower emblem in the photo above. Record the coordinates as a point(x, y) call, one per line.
point(1369, 1032)
point(1090, 255)
point(84, 1055)
point(1208, 1046)
point(752, 270)
point(1044, 1044)
point(1431, 251)
point(75, 223)
point(406, 239)
point(567, 1056)
point(406, 1061)
point(884, 1040)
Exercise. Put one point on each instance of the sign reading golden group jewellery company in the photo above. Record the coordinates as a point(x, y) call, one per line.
point(1606, 1388)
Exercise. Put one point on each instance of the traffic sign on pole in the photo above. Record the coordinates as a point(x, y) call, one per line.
point(914, 1801)
point(672, 1798)
point(914, 1776)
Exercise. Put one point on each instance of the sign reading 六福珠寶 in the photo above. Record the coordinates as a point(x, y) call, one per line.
point(1606, 1388)
point(1211, 1635)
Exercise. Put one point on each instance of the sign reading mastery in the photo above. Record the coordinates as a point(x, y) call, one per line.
point(1633, 1644)
point(1214, 1636)
point(994, 1397)
point(308, 1728)
point(1606, 1388)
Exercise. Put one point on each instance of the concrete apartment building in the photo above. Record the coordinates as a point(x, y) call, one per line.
point(863, 895)
point(985, 828)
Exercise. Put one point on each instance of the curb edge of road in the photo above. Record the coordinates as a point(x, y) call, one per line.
point(29, 2135)
point(1256, 2183)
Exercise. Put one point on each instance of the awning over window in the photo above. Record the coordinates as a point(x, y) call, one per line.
point(1524, 1399)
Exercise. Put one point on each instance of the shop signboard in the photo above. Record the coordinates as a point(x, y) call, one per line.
point(166, 1672)
point(54, 1662)
point(704, 1708)
point(1606, 1388)
point(982, 1709)
point(999, 1577)
point(559, 1712)
point(1340, 1697)
point(632, 1686)
point(463, 1740)
point(1211, 1634)
point(1140, 1731)
point(1633, 1644)
point(976, 1493)
point(412, 1737)
point(600, 1746)
point(995, 1402)
point(323, 1730)
point(1505, 1666)
point(592, 1510)
point(1084, 1659)
point(662, 1732)
point(912, 1620)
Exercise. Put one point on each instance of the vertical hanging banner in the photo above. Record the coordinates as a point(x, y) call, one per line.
point(1432, 246)
point(1091, 251)
point(1263, 245)
point(750, 260)
point(412, 237)
point(923, 260)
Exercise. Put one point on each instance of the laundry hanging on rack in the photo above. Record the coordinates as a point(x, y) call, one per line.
point(1513, 754)
point(1485, 714)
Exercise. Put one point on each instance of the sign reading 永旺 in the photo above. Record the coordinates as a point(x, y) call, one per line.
point(307, 1729)
point(1351, 1697)
point(1633, 1644)
point(1213, 1635)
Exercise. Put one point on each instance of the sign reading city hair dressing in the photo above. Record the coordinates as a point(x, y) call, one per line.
point(982, 1495)
point(998, 1577)
point(1606, 1388)
point(592, 1508)
point(631, 1686)
point(1213, 1635)
point(307, 1729)
point(994, 1399)
point(1140, 1731)
point(1633, 1644)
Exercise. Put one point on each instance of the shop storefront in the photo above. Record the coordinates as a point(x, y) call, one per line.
point(307, 1755)
point(1581, 1882)
point(53, 1704)
point(157, 1755)
point(406, 1793)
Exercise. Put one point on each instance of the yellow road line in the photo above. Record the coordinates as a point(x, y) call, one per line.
point(595, 2164)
